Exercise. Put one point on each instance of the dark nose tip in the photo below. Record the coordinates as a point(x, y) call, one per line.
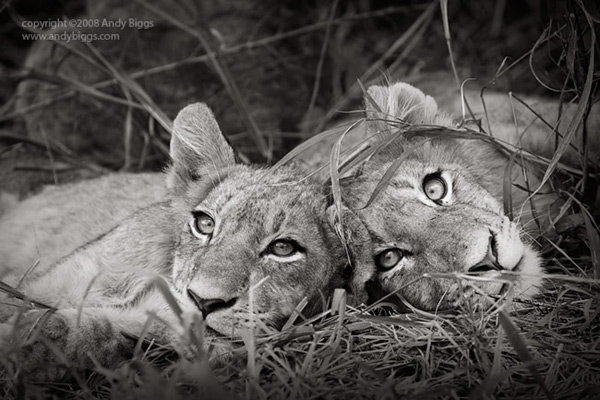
point(207, 306)
point(490, 261)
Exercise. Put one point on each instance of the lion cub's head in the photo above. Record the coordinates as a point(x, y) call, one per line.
point(437, 215)
point(252, 242)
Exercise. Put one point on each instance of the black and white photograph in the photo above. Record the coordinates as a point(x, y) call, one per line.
point(278, 199)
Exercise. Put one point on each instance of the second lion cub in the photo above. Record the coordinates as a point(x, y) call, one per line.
point(440, 216)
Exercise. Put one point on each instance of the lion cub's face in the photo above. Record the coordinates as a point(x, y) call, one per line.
point(436, 217)
point(254, 247)
point(252, 242)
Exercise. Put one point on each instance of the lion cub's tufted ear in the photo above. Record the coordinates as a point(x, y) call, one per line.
point(197, 147)
point(359, 246)
point(401, 101)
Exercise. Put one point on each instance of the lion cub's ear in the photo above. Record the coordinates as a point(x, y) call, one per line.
point(401, 101)
point(197, 147)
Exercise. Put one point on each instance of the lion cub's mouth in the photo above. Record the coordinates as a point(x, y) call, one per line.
point(512, 278)
point(519, 265)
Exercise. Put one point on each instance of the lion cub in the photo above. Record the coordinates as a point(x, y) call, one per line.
point(441, 211)
point(234, 243)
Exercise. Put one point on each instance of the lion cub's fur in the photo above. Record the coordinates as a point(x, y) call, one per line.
point(467, 230)
point(528, 122)
point(101, 244)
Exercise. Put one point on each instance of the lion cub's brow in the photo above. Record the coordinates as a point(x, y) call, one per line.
point(266, 200)
point(203, 187)
point(269, 207)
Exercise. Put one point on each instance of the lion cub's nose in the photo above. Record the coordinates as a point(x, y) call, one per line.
point(207, 306)
point(490, 261)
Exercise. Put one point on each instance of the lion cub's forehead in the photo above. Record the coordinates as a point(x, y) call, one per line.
point(407, 176)
point(266, 199)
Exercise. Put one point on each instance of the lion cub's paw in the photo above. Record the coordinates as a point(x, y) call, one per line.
point(468, 296)
point(14, 331)
point(20, 343)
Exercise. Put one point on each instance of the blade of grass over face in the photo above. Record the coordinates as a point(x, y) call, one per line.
point(428, 135)
point(389, 173)
point(367, 153)
point(336, 190)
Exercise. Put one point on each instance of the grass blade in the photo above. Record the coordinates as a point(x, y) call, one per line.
point(515, 339)
point(307, 144)
point(163, 288)
point(387, 176)
point(202, 33)
point(594, 243)
point(579, 114)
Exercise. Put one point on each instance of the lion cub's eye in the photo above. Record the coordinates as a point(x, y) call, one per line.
point(388, 259)
point(283, 248)
point(435, 187)
point(203, 223)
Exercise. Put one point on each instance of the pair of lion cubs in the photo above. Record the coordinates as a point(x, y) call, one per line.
point(240, 243)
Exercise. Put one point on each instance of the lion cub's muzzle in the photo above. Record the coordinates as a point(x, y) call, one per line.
point(445, 267)
point(207, 306)
point(491, 261)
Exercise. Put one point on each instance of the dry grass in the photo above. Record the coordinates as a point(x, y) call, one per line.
point(550, 348)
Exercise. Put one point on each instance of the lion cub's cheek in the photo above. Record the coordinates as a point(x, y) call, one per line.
point(183, 266)
point(510, 247)
point(531, 279)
